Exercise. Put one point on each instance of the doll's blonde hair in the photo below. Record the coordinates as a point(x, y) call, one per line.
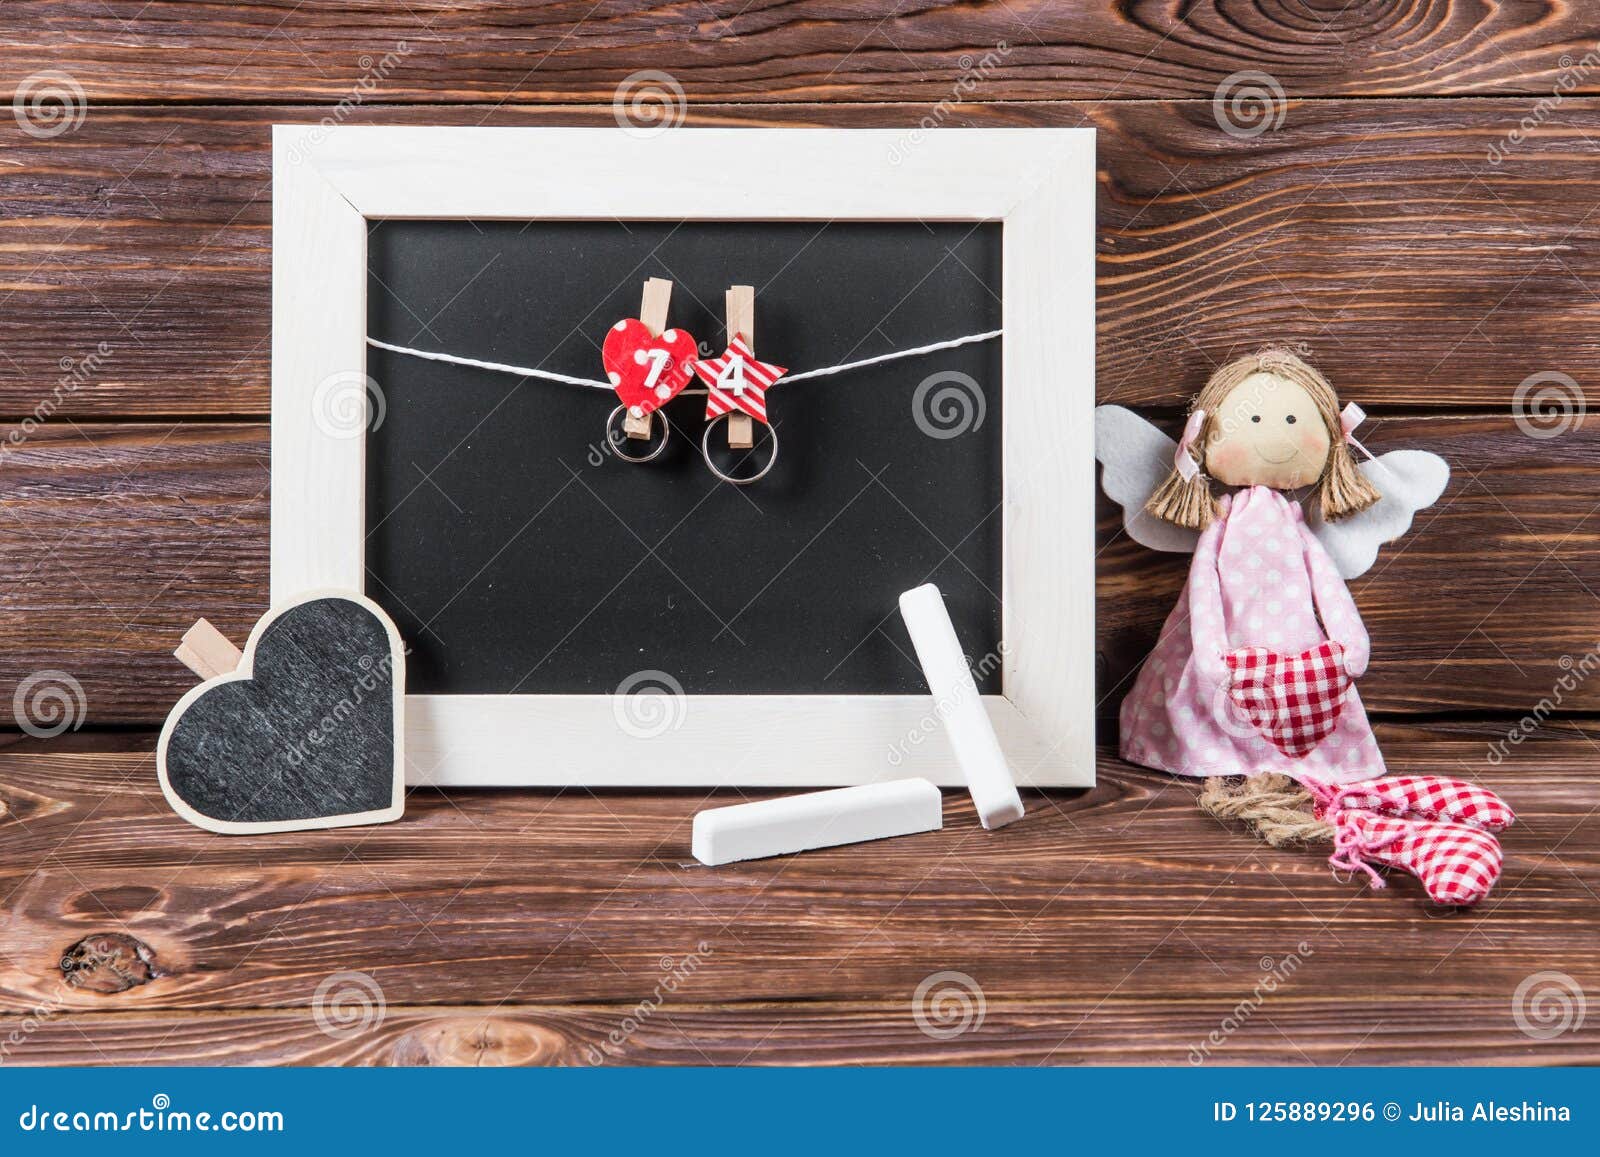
point(1341, 491)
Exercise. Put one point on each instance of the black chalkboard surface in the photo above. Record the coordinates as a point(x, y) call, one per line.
point(306, 740)
point(516, 556)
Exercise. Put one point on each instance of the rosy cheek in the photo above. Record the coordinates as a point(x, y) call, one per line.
point(1314, 449)
point(1227, 459)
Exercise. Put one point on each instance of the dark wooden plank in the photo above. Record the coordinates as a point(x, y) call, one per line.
point(1379, 236)
point(136, 267)
point(1123, 892)
point(1490, 602)
point(120, 536)
point(1284, 1030)
point(1419, 274)
point(116, 539)
point(791, 50)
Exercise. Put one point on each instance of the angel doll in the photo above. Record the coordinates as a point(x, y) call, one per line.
point(1254, 672)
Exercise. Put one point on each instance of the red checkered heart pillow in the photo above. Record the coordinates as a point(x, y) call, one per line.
point(1457, 864)
point(1433, 797)
point(1292, 700)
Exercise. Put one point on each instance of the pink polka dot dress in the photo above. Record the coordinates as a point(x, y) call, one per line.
point(1260, 578)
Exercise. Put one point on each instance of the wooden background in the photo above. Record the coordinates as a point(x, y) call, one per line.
point(1421, 213)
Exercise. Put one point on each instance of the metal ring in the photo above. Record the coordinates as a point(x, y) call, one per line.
point(705, 452)
point(616, 446)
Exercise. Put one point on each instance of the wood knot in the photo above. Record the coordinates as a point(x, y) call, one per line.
point(109, 963)
point(490, 1042)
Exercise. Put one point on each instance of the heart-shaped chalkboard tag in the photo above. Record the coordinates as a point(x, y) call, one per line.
point(305, 733)
point(647, 370)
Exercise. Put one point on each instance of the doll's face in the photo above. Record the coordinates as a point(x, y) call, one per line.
point(1267, 432)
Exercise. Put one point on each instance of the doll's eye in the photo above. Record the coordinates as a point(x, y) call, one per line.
point(1255, 417)
point(1290, 419)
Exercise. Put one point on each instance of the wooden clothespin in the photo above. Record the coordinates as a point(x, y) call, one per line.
point(653, 312)
point(207, 652)
point(736, 388)
point(740, 307)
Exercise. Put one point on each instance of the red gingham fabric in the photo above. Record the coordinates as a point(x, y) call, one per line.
point(1457, 864)
point(758, 378)
point(1433, 797)
point(1292, 700)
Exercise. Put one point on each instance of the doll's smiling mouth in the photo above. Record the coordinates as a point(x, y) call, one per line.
point(1271, 461)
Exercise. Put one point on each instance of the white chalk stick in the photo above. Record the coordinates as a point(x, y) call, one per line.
point(958, 705)
point(818, 819)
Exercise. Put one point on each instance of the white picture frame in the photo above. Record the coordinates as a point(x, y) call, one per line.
point(329, 182)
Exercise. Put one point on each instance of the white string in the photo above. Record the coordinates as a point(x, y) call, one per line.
point(498, 367)
point(910, 353)
point(548, 375)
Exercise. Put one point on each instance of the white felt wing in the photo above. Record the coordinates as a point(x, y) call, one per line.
point(1136, 458)
point(1409, 480)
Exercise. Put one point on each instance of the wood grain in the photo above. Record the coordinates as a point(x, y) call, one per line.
point(1378, 233)
point(1432, 255)
point(1378, 238)
point(1125, 893)
point(1286, 1030)
point(791, 50)
point(117, 538)
point(121, 535)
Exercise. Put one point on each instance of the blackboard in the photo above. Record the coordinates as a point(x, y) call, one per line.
point(517, 556)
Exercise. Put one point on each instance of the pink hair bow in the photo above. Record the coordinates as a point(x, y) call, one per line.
point(1183, 460)
point(1349, 418)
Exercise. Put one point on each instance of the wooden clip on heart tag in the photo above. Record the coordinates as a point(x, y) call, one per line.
point(303, 729)
point(648, 365)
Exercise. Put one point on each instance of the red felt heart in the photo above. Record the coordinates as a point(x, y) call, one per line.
point(1292, 700)
point(647, 370)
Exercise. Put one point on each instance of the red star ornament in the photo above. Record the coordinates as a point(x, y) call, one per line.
point(737, 381)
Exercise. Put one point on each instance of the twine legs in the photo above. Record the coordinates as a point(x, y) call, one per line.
point(1275, 807)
